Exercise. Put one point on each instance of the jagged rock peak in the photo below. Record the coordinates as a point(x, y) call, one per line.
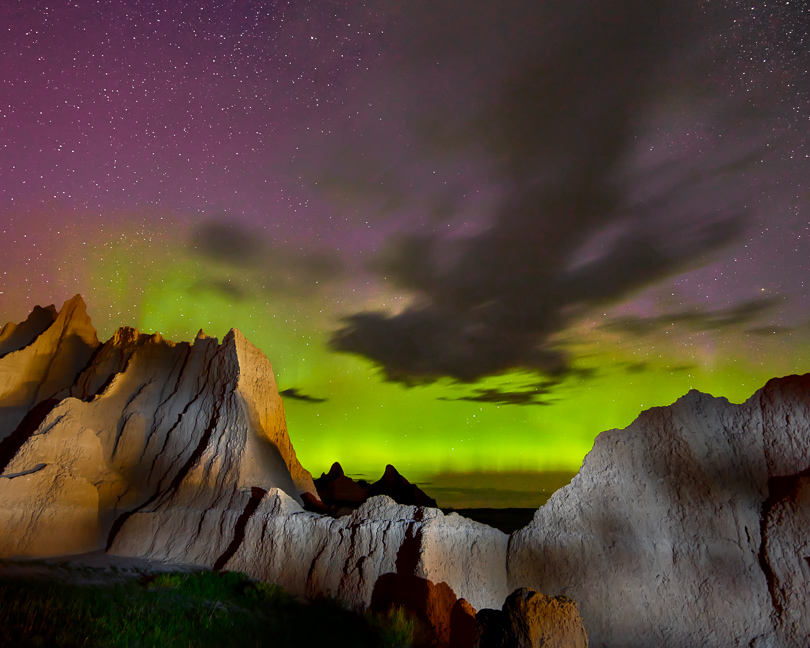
point(139, 424)
point(44, 360)
point(340, 493)
point(16, 336)
point(334, 472)
point(124, 335)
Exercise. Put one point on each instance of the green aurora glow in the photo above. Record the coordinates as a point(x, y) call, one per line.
point(366, 422)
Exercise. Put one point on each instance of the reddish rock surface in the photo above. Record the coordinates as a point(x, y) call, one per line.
point(534, 620)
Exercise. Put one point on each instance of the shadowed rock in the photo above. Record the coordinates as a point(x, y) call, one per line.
point(14, 337)
point(341, 494)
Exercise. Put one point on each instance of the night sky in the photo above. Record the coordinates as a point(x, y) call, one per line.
point(468, 235)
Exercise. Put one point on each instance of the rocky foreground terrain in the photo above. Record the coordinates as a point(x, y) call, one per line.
point(690, 527)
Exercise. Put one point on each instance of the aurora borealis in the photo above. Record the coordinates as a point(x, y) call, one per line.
point(469, 236)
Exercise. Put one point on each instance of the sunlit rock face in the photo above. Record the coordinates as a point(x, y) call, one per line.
point(689, 528)
point(141, 426)
point(41, 357)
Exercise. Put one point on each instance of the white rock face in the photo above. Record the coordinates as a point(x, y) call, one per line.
point(311, 554)
point(179, 452)
point(689, 528)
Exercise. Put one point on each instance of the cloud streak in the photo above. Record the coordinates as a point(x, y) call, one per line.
point(297, 394)
point(276, 269)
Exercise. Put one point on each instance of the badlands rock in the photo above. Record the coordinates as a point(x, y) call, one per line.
point(340, 492)
point(532, 620)
point(147, 423)
point(400, 489)
point(40, 358)
point(179, 452)
point(688, 528)
point(314, 555)
point(14, 337)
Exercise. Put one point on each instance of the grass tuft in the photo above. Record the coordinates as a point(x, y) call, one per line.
point(396, 628)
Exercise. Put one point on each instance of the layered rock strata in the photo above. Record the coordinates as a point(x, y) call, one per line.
point(316, 555)
point(179, 452)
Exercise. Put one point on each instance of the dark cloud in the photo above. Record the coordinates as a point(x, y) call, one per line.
point(228, 243)
point(271, 268)
point(767, 331)
point(580, 222)
point(696, 319)
point(636, 367)
point(294, 392)
point(504, 397)
point(533, 393)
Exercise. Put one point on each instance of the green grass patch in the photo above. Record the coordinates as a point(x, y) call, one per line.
point(396, 628)
point(181, 609)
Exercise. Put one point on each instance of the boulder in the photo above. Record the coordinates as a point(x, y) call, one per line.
point(531, 620)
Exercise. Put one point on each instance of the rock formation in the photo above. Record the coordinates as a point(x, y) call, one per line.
point(40, 358)
point(530, 620)
point(179, 452)
point(688, 528)
point(341, 494)
point(145, 425)
point(312, 554)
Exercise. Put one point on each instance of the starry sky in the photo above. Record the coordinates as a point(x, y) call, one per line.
point(469, 236)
